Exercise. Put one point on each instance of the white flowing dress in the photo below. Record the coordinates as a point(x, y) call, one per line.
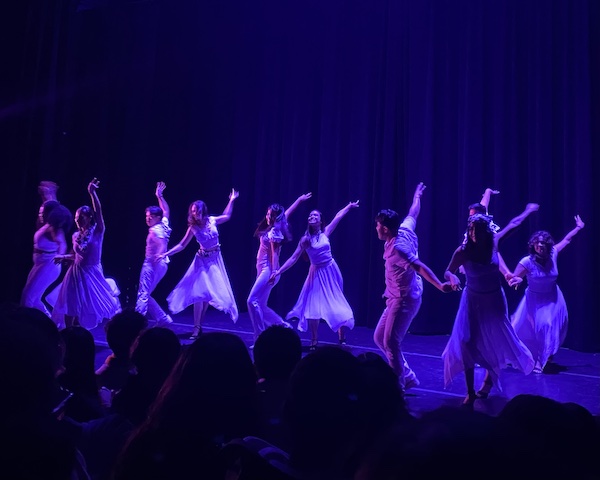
point(322, 295)
point(206, 279)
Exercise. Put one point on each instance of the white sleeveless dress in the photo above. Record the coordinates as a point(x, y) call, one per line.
point(206, 279)
point(322, 295)
point(541, 318)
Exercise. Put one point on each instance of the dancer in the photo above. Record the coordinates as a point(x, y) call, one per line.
point(541, 319)
point(205, 282)
point(482, 333)
point(403, 285)
point(48, 241)
point(47, 190)
point(153, 268)
point(272, 231)
point(484, 203)
point(322, 296)
point(482, 208)
point(85, 297)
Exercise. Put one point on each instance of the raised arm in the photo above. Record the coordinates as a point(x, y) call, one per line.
point(518, 220)
point(92, 190)
point(415, 207)
point(338, 216)
point(226, 215)
point(189, 234)
point(485, 199)
point(569, 236)
point(288, 263)
point(162, 202)
point(299, 200)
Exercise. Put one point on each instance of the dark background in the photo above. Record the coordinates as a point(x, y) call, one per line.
point(348, 99)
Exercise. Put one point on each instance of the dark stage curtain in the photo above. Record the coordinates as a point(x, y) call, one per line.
point(350, 100)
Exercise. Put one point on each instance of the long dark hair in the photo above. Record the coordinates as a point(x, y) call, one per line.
point(482, 250)
point(280, 223)
point(201, 207)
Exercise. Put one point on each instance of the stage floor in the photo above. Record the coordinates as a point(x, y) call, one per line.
point(575, 376)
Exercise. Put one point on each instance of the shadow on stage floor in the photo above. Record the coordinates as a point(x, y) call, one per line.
point(575, 376)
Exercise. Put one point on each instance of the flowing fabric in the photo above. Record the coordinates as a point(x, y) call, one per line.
point(541, 318)
point(482, 333)
point(322, 295)
point(43, 273)
point(85, 293)
point(206, 279)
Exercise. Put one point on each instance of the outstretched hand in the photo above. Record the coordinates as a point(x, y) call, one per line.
point(492, 191)
point(233, 195)
point(353, 204)
point(532, 207)
point(93, 185)
point(579, 222)
point(305, 197)
point(160, 188)
point(419, 190)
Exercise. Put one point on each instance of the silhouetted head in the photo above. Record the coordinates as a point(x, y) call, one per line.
point(277, 351)
point(211, 389)
point(325, 397)
point(122, 330)
point(155, 351)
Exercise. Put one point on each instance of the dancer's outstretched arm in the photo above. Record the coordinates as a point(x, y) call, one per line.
point(485, 199)
point(518, 220)
point(162, 202)
point(299, 200)
point(431, 277)
point(338, 216)
point(569, 236)
point(93, 186)
point(189, 234)
point(415, 207)
point(226, 215)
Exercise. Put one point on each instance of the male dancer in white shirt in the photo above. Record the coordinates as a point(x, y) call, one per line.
point(154, 269)
point(403, 285)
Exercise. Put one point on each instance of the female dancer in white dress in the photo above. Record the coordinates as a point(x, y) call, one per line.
point(482, 333)
point(85, 297)
point(206, 281)
point(48, 241)
point(322, 296)
point(272, 231)
point(541, 319)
